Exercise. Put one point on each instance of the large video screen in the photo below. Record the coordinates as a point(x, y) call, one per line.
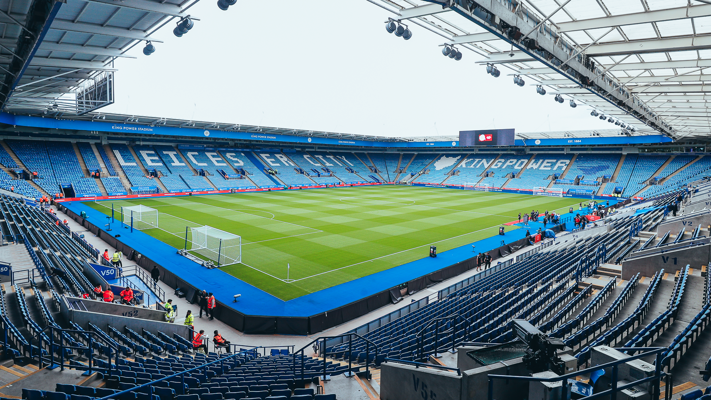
point(491, 137)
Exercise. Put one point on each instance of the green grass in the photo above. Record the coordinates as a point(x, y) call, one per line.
point(333, 236)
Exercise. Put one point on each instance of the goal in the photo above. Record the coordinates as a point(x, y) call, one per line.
point(140, 216)
point(483, 188)
point(552, 192)
point(222, 247)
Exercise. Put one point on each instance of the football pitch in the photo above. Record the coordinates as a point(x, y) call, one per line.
point(332, 236)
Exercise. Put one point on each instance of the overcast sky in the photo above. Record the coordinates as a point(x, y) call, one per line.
point(326, 65)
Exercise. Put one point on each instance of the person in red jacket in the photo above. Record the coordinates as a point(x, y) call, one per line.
point(106, 255)
point(108, 296)
point(199, 341)
point(127, 296)
point(211, 304)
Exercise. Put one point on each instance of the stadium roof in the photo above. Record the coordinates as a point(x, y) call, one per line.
point(655, 53)
point(57, 56)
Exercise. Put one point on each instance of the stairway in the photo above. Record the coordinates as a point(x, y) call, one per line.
point(102, 165)
point(294, 162)
point(257, 161)
point(487, 170)
point(160, 184)
point(117, 167)
point(101, 186)
point(406, 166)
point(570, 164)
point(21, 166)
point(455, 167)
point(82, 163)
point(235, 169)
point(518, 175)
point(372, 164)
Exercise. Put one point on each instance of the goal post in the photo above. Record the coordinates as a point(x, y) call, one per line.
point(222, 247)
point(476, 186)
point(140, 217)
point(552, 192)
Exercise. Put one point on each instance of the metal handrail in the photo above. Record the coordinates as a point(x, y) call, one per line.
point(612, 392)
point(419, 364)
point(61, 347)
point(180, 374)
point(453, 317)
point(350, 349)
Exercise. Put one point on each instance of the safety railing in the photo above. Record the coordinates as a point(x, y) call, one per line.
point(474, 278)
point(60, 347)
point(419, 364)
point(611, 393)
point(320, 344)
point(181, 375)
point(267, 350)
point(145, 277)
point(453, 319)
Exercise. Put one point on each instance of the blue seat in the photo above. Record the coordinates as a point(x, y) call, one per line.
point(261, 394)
point(64, 388)
point(219, 389)
point(692, 395)
point(165, 393)
point(325, 397)
point(187, 397)
point(56, 396)
point(309, 392)
point(276, 398)
point(235, 395)
point(31, 394)
point(199, 391)
point(211, 396)
point(281, 392)
point(80, 397)
point(86, 391)
point(301, 397)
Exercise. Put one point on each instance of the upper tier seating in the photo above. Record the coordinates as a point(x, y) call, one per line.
point(644, 169)
point(625, 174)
point(34, 156)
point(131, 167)
point(689, 174)
point(87, 154)
point(309, 163)
point(418, 165)
point(67, 169)
point(385, 163)
point(503, 169)
point(109, 166)
point(180, 170)
point(470, 170)
point(593, 166)
point(6, 160)
point(339, 164)
point(538, 171)
point(440, 169)
point(286, 169)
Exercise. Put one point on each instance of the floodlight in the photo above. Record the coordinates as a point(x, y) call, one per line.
point(400, 31)
point(446, 50)
point(225, 4)
point(519, 81)
point(390, 26)
point(572, 103)
point(492, 70)
point(407, 34)
point(149, 49)
point(183, 27)
point(603, 117)
point(540, 90)
point(458, 56)
point(594, 113)
point(558, 98)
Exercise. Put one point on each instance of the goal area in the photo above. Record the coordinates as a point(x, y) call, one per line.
point(222, 247)
point(552, 192)
point(140, 217)
point(475, 186)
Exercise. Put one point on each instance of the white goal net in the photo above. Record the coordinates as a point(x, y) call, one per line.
point(140, 216)
point(222, 247)
point(553, 192)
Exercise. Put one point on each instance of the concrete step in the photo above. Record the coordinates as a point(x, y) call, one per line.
point(612, 270)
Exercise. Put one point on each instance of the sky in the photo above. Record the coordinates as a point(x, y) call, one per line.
point(326, 65)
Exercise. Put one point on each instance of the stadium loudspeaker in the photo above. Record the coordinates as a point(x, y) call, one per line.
point(225, 4)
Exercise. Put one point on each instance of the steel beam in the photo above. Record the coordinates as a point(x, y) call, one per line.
point(69, 26)
point(142, 5)
point(637, 18)
point(72, 48)
point(71, 64)
point(421, 11)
